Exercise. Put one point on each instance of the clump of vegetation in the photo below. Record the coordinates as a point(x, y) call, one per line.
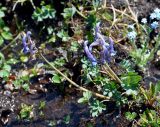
point(102, 52)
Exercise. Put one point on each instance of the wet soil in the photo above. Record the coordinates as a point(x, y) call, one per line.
point(58, 106)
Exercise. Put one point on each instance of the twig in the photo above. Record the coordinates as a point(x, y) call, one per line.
point(133, 14)
point(106, 66)
point(83, 16)
point(4, 48)
point(72, 82)
point(122, 12)
point(107, 73)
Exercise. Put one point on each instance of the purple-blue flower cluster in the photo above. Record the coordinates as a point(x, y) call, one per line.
point(28, 44)
point(107, 50)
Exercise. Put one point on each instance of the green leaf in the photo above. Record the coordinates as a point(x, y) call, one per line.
point(24, 58)
point(107, 16)
point(2, 24)
point(42, 105)
point(1, 40)
point(52, 38)
point(67, 119)
point(7, 67)
point(25, 87)
point(2, 59)
point(131, 80)
point(4, 73)
point(69, 12)
point(6, 35)
point(56, 79)
point(6, 29)
point(157, 88)
point(2, 14)
point(87, 95)
point(63, 35)
point(12, 61)
point(96, 107)
point(130, 116)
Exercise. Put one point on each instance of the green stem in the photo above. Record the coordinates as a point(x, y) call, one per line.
point(72, 82)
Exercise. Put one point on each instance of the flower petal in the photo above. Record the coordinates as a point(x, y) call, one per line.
point(89, 54)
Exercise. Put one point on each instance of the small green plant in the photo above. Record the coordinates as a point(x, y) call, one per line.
point(42, 105)
point(69, 12)
point(26, 112)
point(56, 78)
point(150, 118)
point(5, 70)
point(74, 46)
point(86, 97)
point(2, 11)
point(5, 66)
point(5, 33)
point(22, 82)
point(142, 52)
point(67, 119)
point(150, 96)
point(131, 80)
point(45, 12)
point(63, 35)
point(130, 115)
point(90, 72)
point(96, 107)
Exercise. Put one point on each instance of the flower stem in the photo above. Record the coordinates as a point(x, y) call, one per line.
point(72, 82)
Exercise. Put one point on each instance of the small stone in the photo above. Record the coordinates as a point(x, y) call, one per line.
point(9, 87)
point(7, 93)
point(32, 91)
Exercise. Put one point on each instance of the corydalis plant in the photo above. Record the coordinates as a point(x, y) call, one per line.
point(28, 44)
point(107, 50)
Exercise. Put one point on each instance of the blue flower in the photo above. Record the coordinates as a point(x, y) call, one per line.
point(153, 16)
point(144, 21)
point(131, 27)
point(89, 54)
point(132, 35)
point(97, 30)
point(112, 51)
point(25, 46)
point(154, 25)
point(28, 34)
point(102, 42)
point(157, 10)
point(158, 16)
point(107, 50)
point(95, 43)
point(28, 44)
point(104, 55)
